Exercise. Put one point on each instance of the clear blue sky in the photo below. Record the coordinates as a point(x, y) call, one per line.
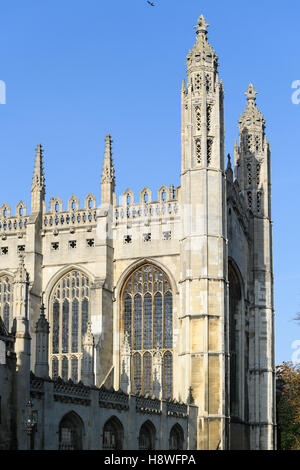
point(76, 70)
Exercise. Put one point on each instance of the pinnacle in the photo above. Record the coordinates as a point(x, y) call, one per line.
point(38, 174)
point(228, 162)
point(251, 114)
point(108, 174)
point(251, 94)
point(201, 27)
point(202, 52)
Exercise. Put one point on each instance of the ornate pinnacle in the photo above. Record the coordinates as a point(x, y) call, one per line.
point(251, 94)
point(108, 173)
point(42, 308)
point(251, 115)
point(42, 325)
point(201, 27)
point(38, 174)
point(21, 274)
point(228, 162)
point(108, 142)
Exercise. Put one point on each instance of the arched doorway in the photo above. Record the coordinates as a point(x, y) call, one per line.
point(113, 434)
point(70, 432)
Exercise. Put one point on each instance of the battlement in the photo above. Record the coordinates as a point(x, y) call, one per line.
point(13, 224)
point(165, 206)
point(73, 216)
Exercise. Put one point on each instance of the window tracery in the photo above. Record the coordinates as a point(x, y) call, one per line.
point(147, 317)
point(6, 299)
point(69, 307)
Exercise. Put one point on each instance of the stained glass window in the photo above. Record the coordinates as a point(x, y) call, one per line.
point(168, 374)
point(137, 322)
point(65, 327)
point(55, 328)
point(54, 368)
point(148, 322)
point(6, 301)
point(64, 368)
point(69, 308)
point(158, 319)
point(137, 377)
point(75, 305)
point(74, 371)
point(147, 373)
point(148, 319)
point(168, 337)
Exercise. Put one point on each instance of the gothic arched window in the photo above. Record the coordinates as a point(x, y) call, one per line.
point(6, 301)
point(176, 438)
point(70, 432)
point(69, 308)
point(147, 317)
point(147, 436)
point(113, 434)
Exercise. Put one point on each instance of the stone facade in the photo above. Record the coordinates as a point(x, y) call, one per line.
point(168, 297)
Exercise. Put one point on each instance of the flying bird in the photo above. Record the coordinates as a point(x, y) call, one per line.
point(150, 3)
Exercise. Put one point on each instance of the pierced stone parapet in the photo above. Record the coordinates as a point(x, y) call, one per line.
point(111, 398)
point(13, 224)
point(73, 217)
point(69, 219)
point(174, 408)
point(152, 210)
point(148, 405)
point(36, 386)
point(9, 223)
point(69, 392)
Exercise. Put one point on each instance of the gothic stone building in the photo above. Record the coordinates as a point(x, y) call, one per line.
point(158, 328)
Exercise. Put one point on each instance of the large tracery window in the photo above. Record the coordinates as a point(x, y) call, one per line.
point(147, 317)
point(69, 307)
point(6, 301)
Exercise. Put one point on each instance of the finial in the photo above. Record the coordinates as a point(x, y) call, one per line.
point(201, 26)
point(251, 94)
point(108, 172)
point(42, 308)
point(228, 162)
point(38, 174)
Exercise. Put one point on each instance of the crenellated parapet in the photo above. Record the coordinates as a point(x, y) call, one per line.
point(56, 217)
point(13, 223)
point(165, 206)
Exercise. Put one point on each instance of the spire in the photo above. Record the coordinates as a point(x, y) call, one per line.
point(202, 52)
point(252, 117)
point(38, 181)
point(108, 173)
